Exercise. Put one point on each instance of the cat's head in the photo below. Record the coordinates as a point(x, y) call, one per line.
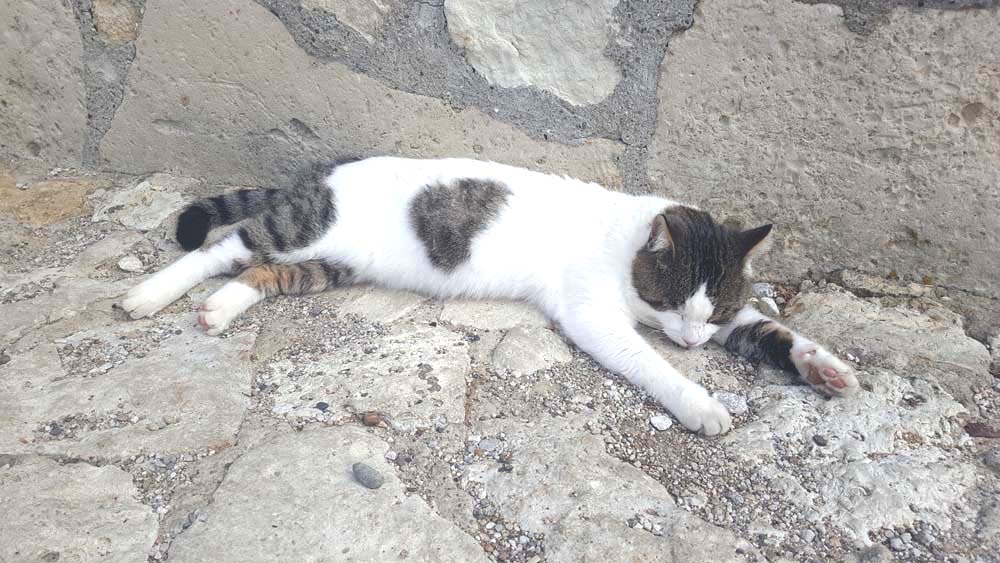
point(692, 272)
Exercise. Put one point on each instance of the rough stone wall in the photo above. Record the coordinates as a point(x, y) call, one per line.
point(868, 131)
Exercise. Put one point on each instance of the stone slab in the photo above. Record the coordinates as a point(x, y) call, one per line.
point(295, 497)
point(74, 512)
point(414, 377)
point(877, 152)
point(491, 315)
point(174, 390)
point(557, 46)
point(42, 112)
point(525, 350)
point(566, 486)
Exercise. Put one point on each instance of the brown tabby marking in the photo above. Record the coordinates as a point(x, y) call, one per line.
point(294, 279)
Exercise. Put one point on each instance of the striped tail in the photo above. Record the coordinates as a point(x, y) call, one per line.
point(206, 214)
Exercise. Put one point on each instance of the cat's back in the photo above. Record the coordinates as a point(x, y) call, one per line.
point(403, 178)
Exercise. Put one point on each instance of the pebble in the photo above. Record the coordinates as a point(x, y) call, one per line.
point(131, 264)
point(489, 444)
point(820, 440)
point(897, 544)
point(769, 307)
point(367, 475)
point(322, 405)
point(371, 418)
point(661, 422)
point(391, 455)
point(762, 290)
point(735, 404)
point(807, 535)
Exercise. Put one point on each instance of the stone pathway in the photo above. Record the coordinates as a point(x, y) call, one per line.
point(496, 440)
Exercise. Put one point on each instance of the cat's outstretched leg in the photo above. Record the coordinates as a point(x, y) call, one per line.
point(170, 283)
point(757, 337)
point(267, 280)
point(610, 338)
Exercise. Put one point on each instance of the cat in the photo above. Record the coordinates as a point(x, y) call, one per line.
point(595, 261)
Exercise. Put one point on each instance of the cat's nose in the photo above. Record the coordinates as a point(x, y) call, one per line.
point(691, 343)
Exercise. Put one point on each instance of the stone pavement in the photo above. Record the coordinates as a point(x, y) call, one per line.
point(496, 440)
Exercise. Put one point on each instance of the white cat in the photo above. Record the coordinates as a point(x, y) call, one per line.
point(595, 261)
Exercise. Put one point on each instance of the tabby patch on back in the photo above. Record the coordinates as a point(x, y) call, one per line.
point(595, 261)
point(446, 217)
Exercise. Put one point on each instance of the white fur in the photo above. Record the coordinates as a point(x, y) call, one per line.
point(169, 284)
point(223, 306)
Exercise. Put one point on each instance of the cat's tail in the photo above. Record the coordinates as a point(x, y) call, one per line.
point(206, 214)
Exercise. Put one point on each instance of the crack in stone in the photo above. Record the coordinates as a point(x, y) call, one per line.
point(105, 71)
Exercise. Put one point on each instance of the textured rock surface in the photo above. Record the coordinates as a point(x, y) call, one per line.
point(364, 16)
point(46, 202)
point(556, 46)
point(380, 305)
point(41, 94)
point(214, 100)
point(564, 475)
point(488, 315)
point(71, 513)
point(413, 377)
point(529, 349)
point(876, 457)
point(147, 204)
point(162, 386)
point(776, 112)
point(315, 506)
point(930, 345)
point(116, 20)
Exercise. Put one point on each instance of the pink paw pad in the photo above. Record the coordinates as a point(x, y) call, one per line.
point(826, 376)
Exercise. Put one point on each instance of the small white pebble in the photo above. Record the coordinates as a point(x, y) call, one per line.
point(660, 422)
point(131, 264)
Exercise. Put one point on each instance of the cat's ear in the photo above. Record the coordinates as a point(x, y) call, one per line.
point(755, 241)
point(659, 235)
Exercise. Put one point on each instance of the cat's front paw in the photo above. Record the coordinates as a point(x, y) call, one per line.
point(701, 413)
point(147, 298)
point(825, 372)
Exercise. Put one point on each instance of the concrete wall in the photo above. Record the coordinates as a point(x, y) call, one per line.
point(869, 131)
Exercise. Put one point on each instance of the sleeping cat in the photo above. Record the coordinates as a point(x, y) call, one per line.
point(595, 261)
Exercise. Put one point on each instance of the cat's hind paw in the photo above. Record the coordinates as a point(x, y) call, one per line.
point(223, 306)
point(825, 372)
point(701, 413)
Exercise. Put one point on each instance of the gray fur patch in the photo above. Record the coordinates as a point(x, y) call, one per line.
point(295, 217)
point(447, 217)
